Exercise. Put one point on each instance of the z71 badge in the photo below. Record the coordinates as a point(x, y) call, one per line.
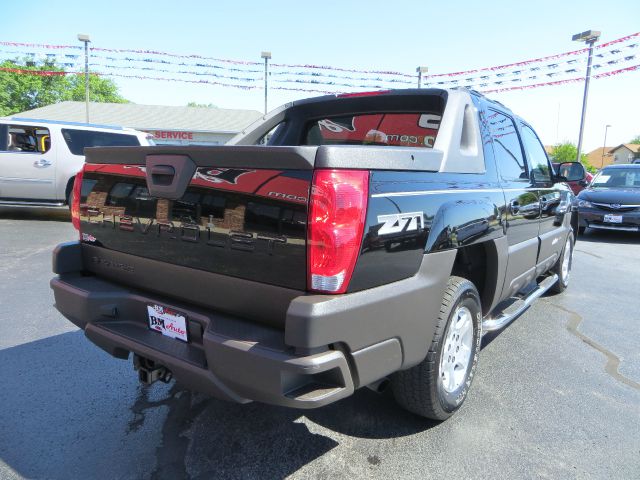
point(400, 222)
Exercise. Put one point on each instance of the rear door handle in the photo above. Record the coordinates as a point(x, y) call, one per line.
point(41, 163)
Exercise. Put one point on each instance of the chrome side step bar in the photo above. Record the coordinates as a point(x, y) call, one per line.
point(31, 204)
point(517, 307)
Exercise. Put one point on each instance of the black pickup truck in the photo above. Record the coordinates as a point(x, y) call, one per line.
point(343, 241)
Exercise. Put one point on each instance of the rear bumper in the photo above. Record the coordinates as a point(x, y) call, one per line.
point(330, 346)
point(226, 357)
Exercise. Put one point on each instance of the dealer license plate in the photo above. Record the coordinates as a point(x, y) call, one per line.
point(613, 218)
point(168, 322)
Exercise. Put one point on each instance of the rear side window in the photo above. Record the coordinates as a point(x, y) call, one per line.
point(78, 140)
point(391, 129)
point(23, 138)
point(537, 156)
point(507, 147)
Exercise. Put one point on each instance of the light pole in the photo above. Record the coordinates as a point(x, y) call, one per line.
point(420, 71)
point(83, 37)
point(604, 145)
point(589, 37)
point(266, 56)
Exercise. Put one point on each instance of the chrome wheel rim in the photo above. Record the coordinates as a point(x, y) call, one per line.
point(456, 352)
point(566, 262)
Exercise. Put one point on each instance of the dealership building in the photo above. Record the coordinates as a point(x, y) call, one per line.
point(169, 125)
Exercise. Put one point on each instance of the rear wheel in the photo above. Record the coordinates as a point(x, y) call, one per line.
point(437, 387)
point(562, 268)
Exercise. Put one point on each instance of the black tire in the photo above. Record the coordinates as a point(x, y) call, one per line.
point(581, 230)
point(420, 389)
point(563, 279)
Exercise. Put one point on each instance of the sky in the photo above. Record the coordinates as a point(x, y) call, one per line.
point(369, 35)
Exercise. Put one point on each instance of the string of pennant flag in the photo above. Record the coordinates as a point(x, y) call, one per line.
point(242, 62)
point(616, 57)
point(622, 53)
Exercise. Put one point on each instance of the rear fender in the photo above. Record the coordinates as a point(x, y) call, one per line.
point(462, 222)
point(407, 310)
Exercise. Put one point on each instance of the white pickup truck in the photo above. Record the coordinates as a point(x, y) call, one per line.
point(40, 158)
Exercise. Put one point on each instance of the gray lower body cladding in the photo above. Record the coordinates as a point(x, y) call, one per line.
point(323, 348)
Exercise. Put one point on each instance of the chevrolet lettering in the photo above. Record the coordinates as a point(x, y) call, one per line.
point(186, 232)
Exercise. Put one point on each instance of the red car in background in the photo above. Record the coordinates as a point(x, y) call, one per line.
point(576, 186)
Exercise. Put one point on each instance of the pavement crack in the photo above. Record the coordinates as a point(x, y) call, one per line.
point(613, 362)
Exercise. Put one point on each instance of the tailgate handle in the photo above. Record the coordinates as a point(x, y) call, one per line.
point(162, 174)
point(168, 176)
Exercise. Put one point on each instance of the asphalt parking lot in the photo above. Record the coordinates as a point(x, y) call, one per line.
point(557, 393)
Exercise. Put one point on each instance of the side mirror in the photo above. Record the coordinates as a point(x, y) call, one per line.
point(572, 171)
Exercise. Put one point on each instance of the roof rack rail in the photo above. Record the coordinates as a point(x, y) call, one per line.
point(61, 122)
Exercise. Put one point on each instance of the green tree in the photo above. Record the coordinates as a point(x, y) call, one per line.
point(20, 91)
point(636, 140)
point(100, 90)
point(567, 152)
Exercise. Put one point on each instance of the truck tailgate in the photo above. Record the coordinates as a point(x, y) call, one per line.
point(232, 217)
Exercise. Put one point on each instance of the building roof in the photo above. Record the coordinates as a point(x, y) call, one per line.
point(149, 117)
point(600, 157)
point(634, 147)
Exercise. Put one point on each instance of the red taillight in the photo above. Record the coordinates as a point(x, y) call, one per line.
point(75, 205)
point(337, 211)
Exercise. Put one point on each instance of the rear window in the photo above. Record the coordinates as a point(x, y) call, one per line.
point(391, 129)
point(78, 140)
